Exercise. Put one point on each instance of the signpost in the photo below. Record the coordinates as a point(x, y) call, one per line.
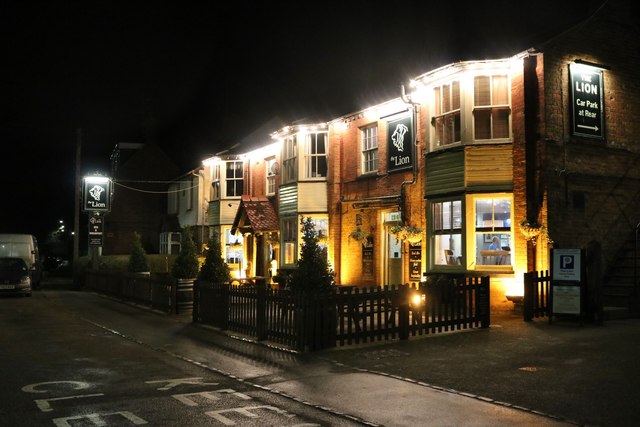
point(96, 201)
point(587, 101)
point(567, 283)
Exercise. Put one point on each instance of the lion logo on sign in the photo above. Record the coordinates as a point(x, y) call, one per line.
point(96, 191)
point(398, 136)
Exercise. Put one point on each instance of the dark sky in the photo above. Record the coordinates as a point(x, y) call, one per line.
point(207, 73)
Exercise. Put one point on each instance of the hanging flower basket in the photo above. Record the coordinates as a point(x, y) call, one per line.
point(409, 233)
point(359, 235)
point(532, 230)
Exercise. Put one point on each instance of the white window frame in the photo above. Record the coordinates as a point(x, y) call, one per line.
point(369, 143)
point(230, 182)
point(289, 159)
point(314, 158)
point(270, 185)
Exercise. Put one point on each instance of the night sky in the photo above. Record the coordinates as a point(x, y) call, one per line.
point(201, 75)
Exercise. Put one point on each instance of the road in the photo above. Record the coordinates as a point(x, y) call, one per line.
point(73, 359)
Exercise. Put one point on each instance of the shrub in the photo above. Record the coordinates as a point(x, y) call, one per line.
point(138, 257)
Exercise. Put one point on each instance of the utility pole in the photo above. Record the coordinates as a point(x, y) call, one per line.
point(76, 211)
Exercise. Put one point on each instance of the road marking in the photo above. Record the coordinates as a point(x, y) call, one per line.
point(185, 397)
point(176, 382)
point(43, 404)
point(77, 385)
point(245, 410)
point(98, 419)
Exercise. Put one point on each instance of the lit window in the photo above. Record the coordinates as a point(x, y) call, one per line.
point(289, 231)
point(447, 232)
point(234, 178)
point(215, 183)
point(233, 247)
point(289, 162)
point(447, 113)
point(491, 107)
point(316, 157)
point(369, 137)
point(493, 231)
point(271, 176)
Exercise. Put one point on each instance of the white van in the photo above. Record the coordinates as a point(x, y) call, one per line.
point(24, 246)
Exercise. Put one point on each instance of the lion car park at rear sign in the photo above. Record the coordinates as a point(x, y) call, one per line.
point(96, 194)
point(587, 100)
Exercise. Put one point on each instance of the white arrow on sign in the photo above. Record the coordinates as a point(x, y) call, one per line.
point(593, 128)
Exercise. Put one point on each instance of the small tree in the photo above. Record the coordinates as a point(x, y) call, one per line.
point(186, 264)
point(313, 272)
point(214, 269)
point(138, 257)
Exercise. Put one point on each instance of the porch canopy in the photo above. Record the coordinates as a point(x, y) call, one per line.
point(255, 215)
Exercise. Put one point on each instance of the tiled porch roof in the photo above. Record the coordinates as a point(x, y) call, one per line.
point(255, 215)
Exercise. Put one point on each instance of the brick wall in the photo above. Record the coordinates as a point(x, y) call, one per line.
point(592, 185)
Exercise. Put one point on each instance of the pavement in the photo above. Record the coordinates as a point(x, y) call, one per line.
point(513, 373)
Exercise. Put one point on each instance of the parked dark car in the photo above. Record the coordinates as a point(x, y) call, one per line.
point(14, 277)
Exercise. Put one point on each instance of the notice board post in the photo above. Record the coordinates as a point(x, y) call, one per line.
point(567, 283)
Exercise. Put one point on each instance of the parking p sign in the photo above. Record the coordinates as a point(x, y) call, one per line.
point(567, 265)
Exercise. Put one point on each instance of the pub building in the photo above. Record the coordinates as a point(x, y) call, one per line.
point(478, 167)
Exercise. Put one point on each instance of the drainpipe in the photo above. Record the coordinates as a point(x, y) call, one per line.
point(415, 108)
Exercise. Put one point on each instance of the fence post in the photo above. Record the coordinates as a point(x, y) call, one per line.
point(527, 302)
point(195, 314)
point(261, 309)
point(483, 304)
point(224, 305)
point(404, 312)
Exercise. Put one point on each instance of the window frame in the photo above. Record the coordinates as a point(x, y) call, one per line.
point(478, 234)
point(369, 149)
point(493, 109)
point(289, 159)
point(270, 176)
point(313, 158)
point(447, 117)
point(234, 179)
point(437, 259)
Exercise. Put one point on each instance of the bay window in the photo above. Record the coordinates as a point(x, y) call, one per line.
point(493, 231)
point(316, 155)
point(289, 160)
point(447, 113)
point(446, 219)
point(491, 107)
point(234, 182)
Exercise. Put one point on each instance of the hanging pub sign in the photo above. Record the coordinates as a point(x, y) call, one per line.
point(587, 101)
point(400, 144)
point(96, 194)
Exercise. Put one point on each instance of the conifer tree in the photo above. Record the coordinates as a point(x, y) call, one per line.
point(138, 257)
point(313, 272)
point(214, 269)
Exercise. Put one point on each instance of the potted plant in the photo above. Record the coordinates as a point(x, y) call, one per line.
point(185, 271)
point(138, 257)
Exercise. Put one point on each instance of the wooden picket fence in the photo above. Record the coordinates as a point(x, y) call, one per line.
point(537, 288)
point(343, 315)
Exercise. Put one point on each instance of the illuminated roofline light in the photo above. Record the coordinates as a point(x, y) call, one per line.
point(96, 179)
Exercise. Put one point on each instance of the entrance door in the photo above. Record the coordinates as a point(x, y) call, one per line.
point(393, 260)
